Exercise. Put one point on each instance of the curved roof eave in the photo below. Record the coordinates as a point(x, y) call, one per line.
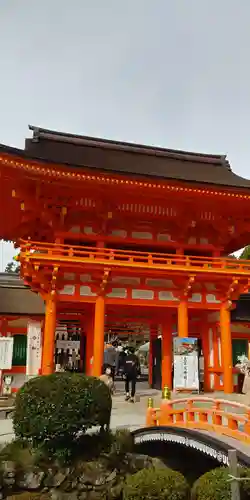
point(182, 170)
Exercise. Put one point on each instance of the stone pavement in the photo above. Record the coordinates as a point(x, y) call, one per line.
point(125, 414)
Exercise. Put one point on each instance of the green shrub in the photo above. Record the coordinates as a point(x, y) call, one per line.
point(122, 442)
point(58, 406)
point(156, 484)
point(214, 485)
point(17, 451)
point(29, 495)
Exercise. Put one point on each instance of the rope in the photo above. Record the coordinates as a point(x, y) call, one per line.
point(238, 479)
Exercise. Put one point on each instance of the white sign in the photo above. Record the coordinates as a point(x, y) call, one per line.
point(6, 352)
point(186, 372)
point(68, 344)
point(184, 441)
point(34, 348)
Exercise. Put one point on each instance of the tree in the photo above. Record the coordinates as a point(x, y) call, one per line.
point(12, 268)
point(246, 253)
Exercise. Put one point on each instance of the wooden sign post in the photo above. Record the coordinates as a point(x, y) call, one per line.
point(233, 469)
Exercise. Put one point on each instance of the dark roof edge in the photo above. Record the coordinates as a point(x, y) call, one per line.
point(40, 160)
point(22, 314)
point(41, 133)
point(11, 280)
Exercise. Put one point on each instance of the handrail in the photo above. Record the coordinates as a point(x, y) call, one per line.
point(223, 417)
point(64, 247)
point(132, 258)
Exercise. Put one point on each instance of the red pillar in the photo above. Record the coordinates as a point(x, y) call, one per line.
point(98, 336)
point(48, 354)
point(89, 328)
point(183, 319)
point(167, 353)
point(226, 349)
point(215, 340)
point(205, 349)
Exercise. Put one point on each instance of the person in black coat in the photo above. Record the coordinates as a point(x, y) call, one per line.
point(131, 370)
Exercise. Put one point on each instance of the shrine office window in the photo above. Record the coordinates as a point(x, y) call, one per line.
point(19, 350)
point(240, 347)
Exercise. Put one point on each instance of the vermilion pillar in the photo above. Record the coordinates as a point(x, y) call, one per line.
point(226, 348)
point(48, 357)
point(205, 349)
point(89, 344)
point(167, 354)
point(98, 336)
point(183, 319)
point(215, 339)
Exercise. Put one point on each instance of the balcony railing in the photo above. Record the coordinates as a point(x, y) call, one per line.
point(77, 255)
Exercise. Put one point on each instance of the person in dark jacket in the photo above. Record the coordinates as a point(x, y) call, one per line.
point(121, 358)
point(132, 371)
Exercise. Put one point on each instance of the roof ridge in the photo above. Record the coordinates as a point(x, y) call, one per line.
point(42, 133)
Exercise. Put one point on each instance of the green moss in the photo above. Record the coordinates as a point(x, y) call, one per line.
point(214, 485)
point(156, 484)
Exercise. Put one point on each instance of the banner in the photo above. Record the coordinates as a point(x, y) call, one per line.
point(6, 352)
point(34, 348)
point(186, 364)
point(68, 344)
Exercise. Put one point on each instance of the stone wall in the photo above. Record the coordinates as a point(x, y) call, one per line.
point(92, 480)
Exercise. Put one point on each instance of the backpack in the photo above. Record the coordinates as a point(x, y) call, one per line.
point(131, 364)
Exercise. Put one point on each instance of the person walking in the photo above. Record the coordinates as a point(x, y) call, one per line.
point(109, 358)
point(108, 379)
point(131, 370)
point(120, 362)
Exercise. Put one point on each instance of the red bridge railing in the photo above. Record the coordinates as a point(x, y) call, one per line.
point(222, 417)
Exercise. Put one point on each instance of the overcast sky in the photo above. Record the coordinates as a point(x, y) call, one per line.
point(174, 73)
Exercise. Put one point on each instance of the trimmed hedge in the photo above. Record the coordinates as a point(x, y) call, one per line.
point(30, 496)
point(214, 485)
point(58, 406)
point(156, 484)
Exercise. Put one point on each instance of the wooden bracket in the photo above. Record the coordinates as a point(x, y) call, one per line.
point(104, 281)
point(54, 279)
point(188, 286)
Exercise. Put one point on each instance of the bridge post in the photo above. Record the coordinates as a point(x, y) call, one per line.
point(233, 467)
point(150, 413)
point(226, 348)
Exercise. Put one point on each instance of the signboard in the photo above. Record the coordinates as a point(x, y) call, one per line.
point(189, 442)
point(6, 353)
point(68, 344)
point(34, 348)
point(186, 364)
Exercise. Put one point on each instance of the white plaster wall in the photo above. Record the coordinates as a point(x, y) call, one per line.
point(18, 380)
